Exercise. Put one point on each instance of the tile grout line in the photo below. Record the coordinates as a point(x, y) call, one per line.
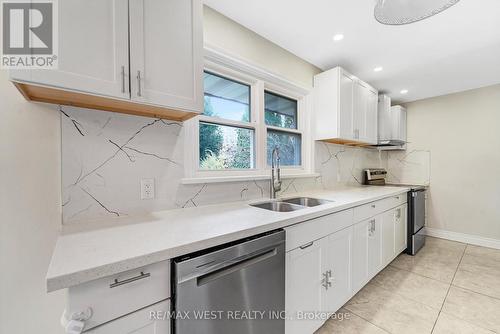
point(449, 288)
point(470, 290)
point(403, 296)
point(477, 293)
point(368, 321)
point(418, 274)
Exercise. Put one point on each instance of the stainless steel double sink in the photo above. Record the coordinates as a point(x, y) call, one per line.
point(291, 204)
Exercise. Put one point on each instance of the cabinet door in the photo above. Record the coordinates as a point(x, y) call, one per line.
point(166, 53)
point(374, 245)
point(400, 229)
point(346, 100)
point(303, 286)
point(359, 256)
point(388, 219)
point(337, 268)
point(139, 322)
point(371, 130)
point(93, 48)
point(359, 112)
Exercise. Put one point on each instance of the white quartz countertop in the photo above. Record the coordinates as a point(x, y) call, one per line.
point(131, 242)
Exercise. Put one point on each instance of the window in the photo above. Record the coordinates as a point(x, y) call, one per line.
point(280, 111)
point(225, 146)
point(281, 114)
point(244, 119)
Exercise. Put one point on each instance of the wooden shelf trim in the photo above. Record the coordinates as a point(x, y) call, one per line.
point(82, 100)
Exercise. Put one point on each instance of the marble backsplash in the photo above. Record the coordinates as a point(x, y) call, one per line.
point(105, 155)
point(412, 166)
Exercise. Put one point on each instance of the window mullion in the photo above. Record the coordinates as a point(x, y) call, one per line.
point(260, 140)
point(222, 121)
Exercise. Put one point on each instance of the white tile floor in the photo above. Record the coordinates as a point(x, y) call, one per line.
point(448, 287)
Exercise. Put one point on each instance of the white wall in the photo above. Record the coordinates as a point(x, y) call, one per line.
point(30, 212)
point(461, 133)
point(222, 32)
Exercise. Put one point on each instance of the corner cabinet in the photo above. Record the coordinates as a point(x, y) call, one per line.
point(345, 109)
point(142, 57)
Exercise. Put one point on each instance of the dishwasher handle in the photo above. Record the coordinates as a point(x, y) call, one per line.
point(235, 265)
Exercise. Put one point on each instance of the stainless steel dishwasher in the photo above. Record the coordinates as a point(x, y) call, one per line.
point(236, 288)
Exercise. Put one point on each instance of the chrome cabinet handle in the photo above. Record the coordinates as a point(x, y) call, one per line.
point(129, 280)
point(307, 245)
point(123, 79)
point(398, 214)
point(325, 282)
point(139, 92)
point(372, 227)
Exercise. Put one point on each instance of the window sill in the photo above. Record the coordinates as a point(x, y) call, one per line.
point(239, 178)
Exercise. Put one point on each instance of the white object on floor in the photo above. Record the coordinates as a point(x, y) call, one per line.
point(75, 323)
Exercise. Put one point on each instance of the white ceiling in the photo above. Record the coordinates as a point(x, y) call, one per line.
point(456, 50)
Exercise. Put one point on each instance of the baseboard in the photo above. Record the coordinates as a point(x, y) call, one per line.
point(462, 237)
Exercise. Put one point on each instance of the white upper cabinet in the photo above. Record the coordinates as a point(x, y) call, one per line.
point(345, 108)
point(371, 129)
point(166, 55)
point(93, 49)
point(142, 57)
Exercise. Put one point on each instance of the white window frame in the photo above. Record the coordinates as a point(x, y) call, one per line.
point(259, 81)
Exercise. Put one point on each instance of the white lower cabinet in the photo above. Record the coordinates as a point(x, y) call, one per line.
point(400, 229)
point(150, 320)
point(374, 246)
point(318, 281)
point(338, 269)
point(388, 236)
point(304, 293)
point(366, 251)
point(394, 239)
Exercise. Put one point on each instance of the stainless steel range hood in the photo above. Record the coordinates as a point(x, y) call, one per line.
point(391, 125)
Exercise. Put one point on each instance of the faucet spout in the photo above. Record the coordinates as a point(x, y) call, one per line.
point(275, 172)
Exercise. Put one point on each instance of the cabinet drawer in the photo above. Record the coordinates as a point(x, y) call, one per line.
point(398, 200)
point(150, 320)
point(314, 229)
point(114, 296)
point(374, 208)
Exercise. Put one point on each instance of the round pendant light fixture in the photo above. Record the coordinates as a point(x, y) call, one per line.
point(398, 12)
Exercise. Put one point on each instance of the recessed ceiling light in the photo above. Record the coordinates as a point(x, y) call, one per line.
point(404, 91)
point(338, 37)
point(378, 69)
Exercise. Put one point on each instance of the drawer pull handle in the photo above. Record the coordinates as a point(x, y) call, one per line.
point(129, 280)
point(374, 206)
point(307, 245)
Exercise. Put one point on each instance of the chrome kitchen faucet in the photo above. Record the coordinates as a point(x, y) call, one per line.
point(275, 172)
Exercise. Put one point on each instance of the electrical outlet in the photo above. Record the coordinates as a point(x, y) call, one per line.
point(147, 188)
